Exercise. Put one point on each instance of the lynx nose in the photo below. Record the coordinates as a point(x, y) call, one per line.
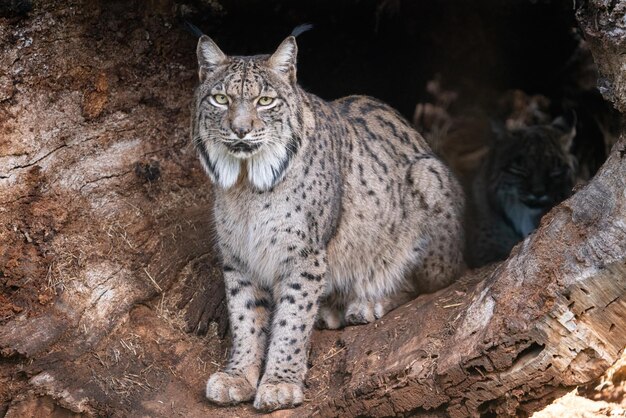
point(536, 200)
point(241, 131)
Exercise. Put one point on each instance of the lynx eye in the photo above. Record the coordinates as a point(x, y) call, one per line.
point(516, 171)
point(265, 100)
point(558, 172)
point(220, 99)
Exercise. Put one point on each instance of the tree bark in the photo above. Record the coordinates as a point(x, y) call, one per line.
point(108, 274)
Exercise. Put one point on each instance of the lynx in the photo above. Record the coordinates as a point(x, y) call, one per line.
point(331, 211)
point(527, 171)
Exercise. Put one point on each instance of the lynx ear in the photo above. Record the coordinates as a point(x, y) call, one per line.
point(566, 125)
point(210, 56)
point(284, 59)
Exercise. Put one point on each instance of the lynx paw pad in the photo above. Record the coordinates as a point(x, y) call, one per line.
point(278, 396)
point(225, 389)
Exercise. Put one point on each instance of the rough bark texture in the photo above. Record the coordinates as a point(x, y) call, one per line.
point(605, 29)
point(107, 272)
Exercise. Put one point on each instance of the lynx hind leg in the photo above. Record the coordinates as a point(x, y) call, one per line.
point(439, 252)
point(392, 302)
point(442, 261)
point(365, 311)
point(360, 312)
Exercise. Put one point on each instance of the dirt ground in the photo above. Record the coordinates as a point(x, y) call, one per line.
point(106, 260)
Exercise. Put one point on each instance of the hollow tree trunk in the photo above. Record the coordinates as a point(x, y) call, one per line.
point(107, 265)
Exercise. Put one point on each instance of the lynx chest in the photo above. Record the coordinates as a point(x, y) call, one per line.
point(258, 232)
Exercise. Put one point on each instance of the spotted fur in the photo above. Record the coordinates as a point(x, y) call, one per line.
point(527, 171)
point(337, 211)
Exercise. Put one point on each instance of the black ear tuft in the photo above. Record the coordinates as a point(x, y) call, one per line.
point(300, 29)
point(193, 29)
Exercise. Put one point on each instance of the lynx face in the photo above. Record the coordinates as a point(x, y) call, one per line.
point(531, 170)
point(247, 115)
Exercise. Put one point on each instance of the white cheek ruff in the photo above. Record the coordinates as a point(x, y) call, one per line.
point(523, 219)
point(269, 165)
point(265, 166)
point(222, 167)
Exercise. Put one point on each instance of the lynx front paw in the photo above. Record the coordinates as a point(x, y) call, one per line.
point(225, 389)
point(278, 396)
